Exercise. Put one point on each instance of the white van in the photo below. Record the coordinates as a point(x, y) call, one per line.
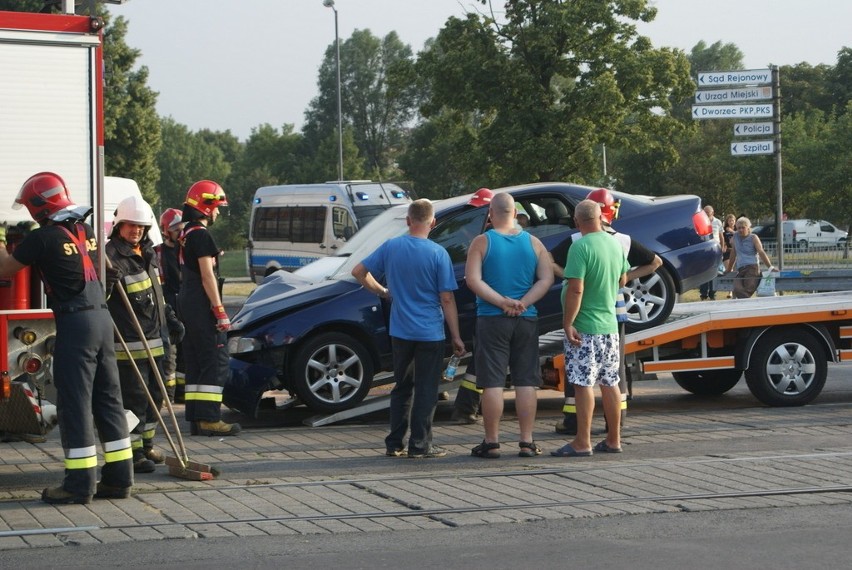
point(813, 234)
point(294, 224)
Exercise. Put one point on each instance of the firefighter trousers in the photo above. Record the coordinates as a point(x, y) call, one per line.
point(205, 358)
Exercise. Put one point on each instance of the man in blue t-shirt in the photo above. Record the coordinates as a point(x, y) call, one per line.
point(420, 282)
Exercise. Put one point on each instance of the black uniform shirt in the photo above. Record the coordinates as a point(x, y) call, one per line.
point(55, 255)
point(198, 243)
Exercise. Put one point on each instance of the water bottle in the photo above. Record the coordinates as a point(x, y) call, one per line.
point(450, 372)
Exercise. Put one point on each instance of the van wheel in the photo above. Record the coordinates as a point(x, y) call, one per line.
point(332, 372)
point(649, 300)
point(803, 245)
point(708, 382)
point(787, 368)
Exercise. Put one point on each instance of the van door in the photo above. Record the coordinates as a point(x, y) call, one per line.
point(340, 228)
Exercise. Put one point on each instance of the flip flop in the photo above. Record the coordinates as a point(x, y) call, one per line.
point(604, 447)
point(568, 451)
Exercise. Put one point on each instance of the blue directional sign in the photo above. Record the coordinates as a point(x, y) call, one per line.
point(732, 95)
point(731, 111)
point(742, 77)
point(754, 129)
point(752, 148)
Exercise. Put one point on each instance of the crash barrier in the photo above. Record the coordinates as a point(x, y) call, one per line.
point(799, 280)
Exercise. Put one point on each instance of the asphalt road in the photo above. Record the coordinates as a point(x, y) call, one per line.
point(674, 443)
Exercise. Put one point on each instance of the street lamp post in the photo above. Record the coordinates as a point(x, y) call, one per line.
point(330, 4)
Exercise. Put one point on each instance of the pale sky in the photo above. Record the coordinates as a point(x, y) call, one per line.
point(238, 64)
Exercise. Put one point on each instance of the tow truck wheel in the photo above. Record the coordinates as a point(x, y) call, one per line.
point(649, 300)
point(708, 382)
point(787, 368)
point(332, 372)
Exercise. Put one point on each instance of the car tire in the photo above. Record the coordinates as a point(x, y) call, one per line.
point(787, 368)
point(708, 382)
point(803, 245)
point(649, 300)
point(332, 372)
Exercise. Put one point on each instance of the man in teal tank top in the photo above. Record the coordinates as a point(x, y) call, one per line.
point(508, 270)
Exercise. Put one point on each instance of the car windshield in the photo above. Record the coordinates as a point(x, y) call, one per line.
point(389, 224)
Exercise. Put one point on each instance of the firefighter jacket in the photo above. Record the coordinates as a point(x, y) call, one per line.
point(140, 278)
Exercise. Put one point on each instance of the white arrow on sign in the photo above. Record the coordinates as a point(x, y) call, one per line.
point(731, 95)
point(754, 129)
point(743, 77)
point(731, 111)
point(752, 148)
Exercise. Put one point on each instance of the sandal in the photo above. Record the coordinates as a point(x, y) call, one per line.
point(486, 450)
point(528, 449)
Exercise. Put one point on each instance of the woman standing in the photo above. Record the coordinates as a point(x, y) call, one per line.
point(746, 252)
point(201, 310)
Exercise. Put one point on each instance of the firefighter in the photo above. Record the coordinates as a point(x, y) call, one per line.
point(171, 224)
point(135, 268)
point(468, 397)
point(200, 308)
point(65, 252)
point(642, 262)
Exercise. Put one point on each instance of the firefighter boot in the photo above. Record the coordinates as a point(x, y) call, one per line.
point(110, 492)
point(214, 428)
point(170, 392)
point(568, 426)
point(154, 455)
point(142, 464)
point(59, 496)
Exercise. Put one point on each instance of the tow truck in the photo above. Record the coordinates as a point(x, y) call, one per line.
point(782, 345)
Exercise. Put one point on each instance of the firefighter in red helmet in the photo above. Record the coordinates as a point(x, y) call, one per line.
point(171, 224)
point(200, 308)
point(65, 251)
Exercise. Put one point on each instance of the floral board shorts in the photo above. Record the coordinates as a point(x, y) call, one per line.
point(595, 361)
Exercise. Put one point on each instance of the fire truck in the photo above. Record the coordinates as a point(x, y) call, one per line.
point(782, 345)
point(51, 119)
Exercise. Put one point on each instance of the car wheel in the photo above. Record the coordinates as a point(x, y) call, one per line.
point(332, 372)
point(708, 382)
point(787, 368)
point(649, 300)
point(803, 245)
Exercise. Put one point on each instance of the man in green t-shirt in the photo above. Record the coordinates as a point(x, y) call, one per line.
point(596, 269)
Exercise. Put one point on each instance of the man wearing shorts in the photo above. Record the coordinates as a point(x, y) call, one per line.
point(594, 272)
point(508, 270)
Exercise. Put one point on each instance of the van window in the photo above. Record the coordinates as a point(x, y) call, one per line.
point(300, 224)
point(342, 223)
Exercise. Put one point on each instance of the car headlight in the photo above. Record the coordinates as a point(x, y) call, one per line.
point(243, 344)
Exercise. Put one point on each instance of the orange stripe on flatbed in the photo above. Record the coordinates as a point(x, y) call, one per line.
point(689, 364)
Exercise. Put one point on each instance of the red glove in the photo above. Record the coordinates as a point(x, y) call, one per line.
point(223, 323)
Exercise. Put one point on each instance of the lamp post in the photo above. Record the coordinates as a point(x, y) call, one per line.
point(330, 4)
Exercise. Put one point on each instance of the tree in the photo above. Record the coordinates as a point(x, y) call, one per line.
point(553, 82)
point(377, 93)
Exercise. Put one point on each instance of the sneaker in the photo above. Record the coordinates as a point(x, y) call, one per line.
point(110, 492)
point(465, 419)
point(398, 452)
point(434, 451)
point(155, 455)
point(566, 429)
point(214, 428)
point(143, 465)
point(59, 496)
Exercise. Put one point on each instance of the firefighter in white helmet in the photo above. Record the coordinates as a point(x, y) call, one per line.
point(135, 268)
point(65, 251)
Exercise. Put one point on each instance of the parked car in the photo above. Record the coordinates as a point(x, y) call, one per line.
point(803, 235)
point(318, 334)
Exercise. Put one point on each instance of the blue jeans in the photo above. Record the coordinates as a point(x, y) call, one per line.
point(707, 290)
point(415, 394)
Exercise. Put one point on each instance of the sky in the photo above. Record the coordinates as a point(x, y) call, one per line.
point(239, 64)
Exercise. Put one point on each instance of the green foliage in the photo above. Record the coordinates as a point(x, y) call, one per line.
point(544, 89)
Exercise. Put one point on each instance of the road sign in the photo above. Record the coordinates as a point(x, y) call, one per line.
point(743, 77)
point(731, 95)
point(754, 129)
point(731, 111)
point(752, 148)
